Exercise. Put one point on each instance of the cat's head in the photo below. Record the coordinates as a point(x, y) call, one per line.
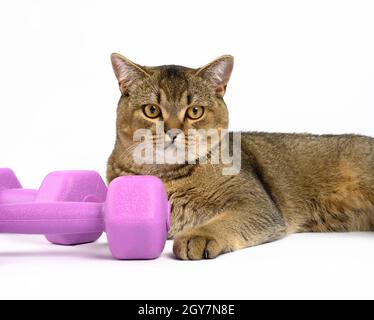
point(177, 97)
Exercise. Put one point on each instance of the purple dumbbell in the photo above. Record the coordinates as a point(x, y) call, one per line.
point(11, 189)
point(135, 215)
point(72, 186)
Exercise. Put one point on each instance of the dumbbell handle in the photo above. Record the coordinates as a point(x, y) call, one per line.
point(56, 218)
point(17, 195)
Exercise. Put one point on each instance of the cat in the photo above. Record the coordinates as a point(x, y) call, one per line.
point(287, 183)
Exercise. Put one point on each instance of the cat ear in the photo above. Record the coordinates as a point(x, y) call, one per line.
point(126, 71)
point(218, 72)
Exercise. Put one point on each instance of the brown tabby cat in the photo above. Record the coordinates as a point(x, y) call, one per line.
point(287, 183)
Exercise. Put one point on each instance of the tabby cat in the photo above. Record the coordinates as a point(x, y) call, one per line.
point(287, 182)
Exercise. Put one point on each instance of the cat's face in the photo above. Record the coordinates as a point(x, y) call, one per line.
point(169, 101)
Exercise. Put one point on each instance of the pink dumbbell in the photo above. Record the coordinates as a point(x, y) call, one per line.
point(58, 186)
point(69, 208)
point(11, 189)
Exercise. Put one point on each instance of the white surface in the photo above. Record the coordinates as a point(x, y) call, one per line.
point(313, 266)
point(301, 66)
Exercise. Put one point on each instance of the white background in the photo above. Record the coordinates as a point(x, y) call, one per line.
point(301, 66)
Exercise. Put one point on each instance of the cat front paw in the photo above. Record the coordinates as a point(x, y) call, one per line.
point(196, 245)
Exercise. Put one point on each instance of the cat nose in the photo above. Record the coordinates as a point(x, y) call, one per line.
point(173, 133)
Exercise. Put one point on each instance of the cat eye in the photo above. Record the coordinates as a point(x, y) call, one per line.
point(195, 113)
point(152, 111)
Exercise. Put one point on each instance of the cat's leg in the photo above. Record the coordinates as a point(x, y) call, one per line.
point(234, 229)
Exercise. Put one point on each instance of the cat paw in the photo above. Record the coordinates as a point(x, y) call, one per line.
point(197, 245)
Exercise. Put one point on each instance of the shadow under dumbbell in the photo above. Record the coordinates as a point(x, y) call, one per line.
point(88, 251)
point(91, 251)
point(40, 254)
